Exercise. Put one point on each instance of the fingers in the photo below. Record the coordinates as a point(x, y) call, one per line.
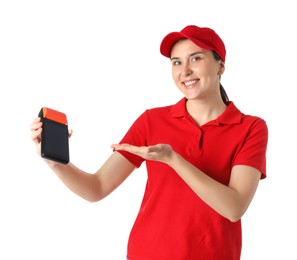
point(36, 129)
point(36, 135)
point(117, 146)
point(158, 152)
point(70, 132)
point(125, 147)
point(142, 151)
point(35, 124)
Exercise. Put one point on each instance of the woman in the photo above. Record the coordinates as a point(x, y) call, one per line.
point(204, 160)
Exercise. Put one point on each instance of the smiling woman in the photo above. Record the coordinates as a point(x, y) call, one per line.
point(204, 160)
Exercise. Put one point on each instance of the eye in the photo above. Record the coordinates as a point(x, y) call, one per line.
point(176, 62)
point(195, 59)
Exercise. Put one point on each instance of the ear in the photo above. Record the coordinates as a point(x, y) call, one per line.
point(221, 68)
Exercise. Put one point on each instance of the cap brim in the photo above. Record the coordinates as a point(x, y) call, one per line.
point(171, 38)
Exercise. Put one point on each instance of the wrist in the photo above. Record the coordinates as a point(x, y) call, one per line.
point(172, 159)
point(53, 165)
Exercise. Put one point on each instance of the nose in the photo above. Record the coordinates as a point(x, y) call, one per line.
point(186, 69)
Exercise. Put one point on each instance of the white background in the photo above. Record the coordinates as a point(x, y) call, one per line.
point(99, 62)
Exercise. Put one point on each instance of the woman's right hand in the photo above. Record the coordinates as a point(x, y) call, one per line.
point(36, 130)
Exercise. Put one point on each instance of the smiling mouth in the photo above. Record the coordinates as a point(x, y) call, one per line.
point(190, 83)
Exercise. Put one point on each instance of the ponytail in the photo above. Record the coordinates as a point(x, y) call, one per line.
point(224, 94)
point(222, 90)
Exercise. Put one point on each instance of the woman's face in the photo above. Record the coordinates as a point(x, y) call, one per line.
point(195, 71)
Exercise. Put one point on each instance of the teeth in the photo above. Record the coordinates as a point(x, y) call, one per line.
point(189, 83)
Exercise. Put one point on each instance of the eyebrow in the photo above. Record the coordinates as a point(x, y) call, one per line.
point(191, 55)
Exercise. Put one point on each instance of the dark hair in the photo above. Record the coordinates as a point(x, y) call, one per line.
point(222, 90)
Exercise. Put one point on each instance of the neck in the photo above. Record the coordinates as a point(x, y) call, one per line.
point(205, 111)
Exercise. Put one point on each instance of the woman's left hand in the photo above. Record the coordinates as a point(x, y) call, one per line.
point(158, 152)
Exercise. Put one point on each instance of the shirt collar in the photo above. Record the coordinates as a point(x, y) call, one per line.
point(231, 115)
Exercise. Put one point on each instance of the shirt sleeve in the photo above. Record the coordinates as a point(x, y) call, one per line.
point(253, 149)
point(136, 135)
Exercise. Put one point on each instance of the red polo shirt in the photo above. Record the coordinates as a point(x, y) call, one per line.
point(173, 222)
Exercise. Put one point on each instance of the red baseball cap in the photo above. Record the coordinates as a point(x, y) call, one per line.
point(204, 37)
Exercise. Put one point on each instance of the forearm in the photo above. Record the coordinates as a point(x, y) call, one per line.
point(94, 187)
point(85, 185)
point(221, 198)
point(230, 201)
